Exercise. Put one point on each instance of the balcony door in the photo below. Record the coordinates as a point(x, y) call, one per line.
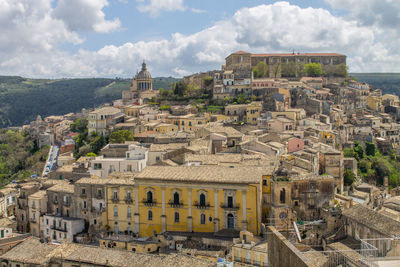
point(231, 222)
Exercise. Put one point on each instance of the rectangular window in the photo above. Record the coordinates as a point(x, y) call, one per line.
point(230, 202)
point(115, 211)
point(129, 168)
point(176, 217)
point(83, 191)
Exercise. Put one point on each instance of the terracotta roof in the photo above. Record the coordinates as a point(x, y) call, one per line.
point(38, 194)
point(62, 187)
point(230, 159)
point(227, 131)
point(119, 258)
point(296, 54)
point(92, 180)
point(373, 219)
point(202, 174)
point(167, 147)
point(240, 52)
point(30, 251)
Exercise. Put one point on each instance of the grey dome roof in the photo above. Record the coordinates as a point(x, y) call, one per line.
point(144, 73)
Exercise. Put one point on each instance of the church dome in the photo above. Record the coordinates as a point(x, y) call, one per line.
point(144, 74)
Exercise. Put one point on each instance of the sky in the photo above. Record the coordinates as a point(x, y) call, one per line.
point(111, 38)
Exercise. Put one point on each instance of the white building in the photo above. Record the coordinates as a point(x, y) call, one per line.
point(101, 119)
point(58, 229)
point(6, 227)
point(135, 160)
point(7, 199)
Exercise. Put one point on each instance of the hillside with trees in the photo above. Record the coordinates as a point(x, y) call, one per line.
point(22, 99)
point(19, 156)
point(373, 166)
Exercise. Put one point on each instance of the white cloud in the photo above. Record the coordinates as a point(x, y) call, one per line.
point(85, 15)
point(278, 27)
point(28, 27)
point(155, 7)
point(198, 11)
point(382, 13)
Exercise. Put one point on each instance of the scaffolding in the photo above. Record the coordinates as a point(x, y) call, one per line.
point(372, 253)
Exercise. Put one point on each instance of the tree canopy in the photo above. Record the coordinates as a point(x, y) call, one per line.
point(260, 70)
point(120, 136)
point(313, 69)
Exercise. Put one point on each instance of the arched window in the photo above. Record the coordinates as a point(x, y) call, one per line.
point(202, 219)
point(149, 197)
point(282, 196)
point(202, 199)
point(150, 215)
point(176, 198)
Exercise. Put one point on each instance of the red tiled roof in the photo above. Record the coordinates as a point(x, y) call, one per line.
point(241, 52)
point(296, 54)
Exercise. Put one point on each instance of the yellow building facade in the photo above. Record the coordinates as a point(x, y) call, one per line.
point(165, 128)
point(374, 103)
point(187, 199)
point(253, 112)
point(187, 123)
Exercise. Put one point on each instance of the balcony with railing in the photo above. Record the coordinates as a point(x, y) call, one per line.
point(128, 200)
point(230, 206)
point(115, 200)
point(149, 203)
point(202, 206)
point(175, 204)
point(58, 228)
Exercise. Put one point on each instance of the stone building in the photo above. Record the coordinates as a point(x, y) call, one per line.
point(133, 160)
point(91, 201)
point(331, 162)
point(378, 230)
point(37, 203)
point(101, 120)
point(8, 197)
point(142, 81)
point(58, 228)
point(241, 60)
point(61, 201)
point(22, 207)
point(299, 196)
point(186, 199)
point(141, 87)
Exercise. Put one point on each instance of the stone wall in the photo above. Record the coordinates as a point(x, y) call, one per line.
point(282, 253)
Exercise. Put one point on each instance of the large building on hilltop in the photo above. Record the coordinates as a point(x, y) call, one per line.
point(279, 63)
point(142, 80)
point(141, 87)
